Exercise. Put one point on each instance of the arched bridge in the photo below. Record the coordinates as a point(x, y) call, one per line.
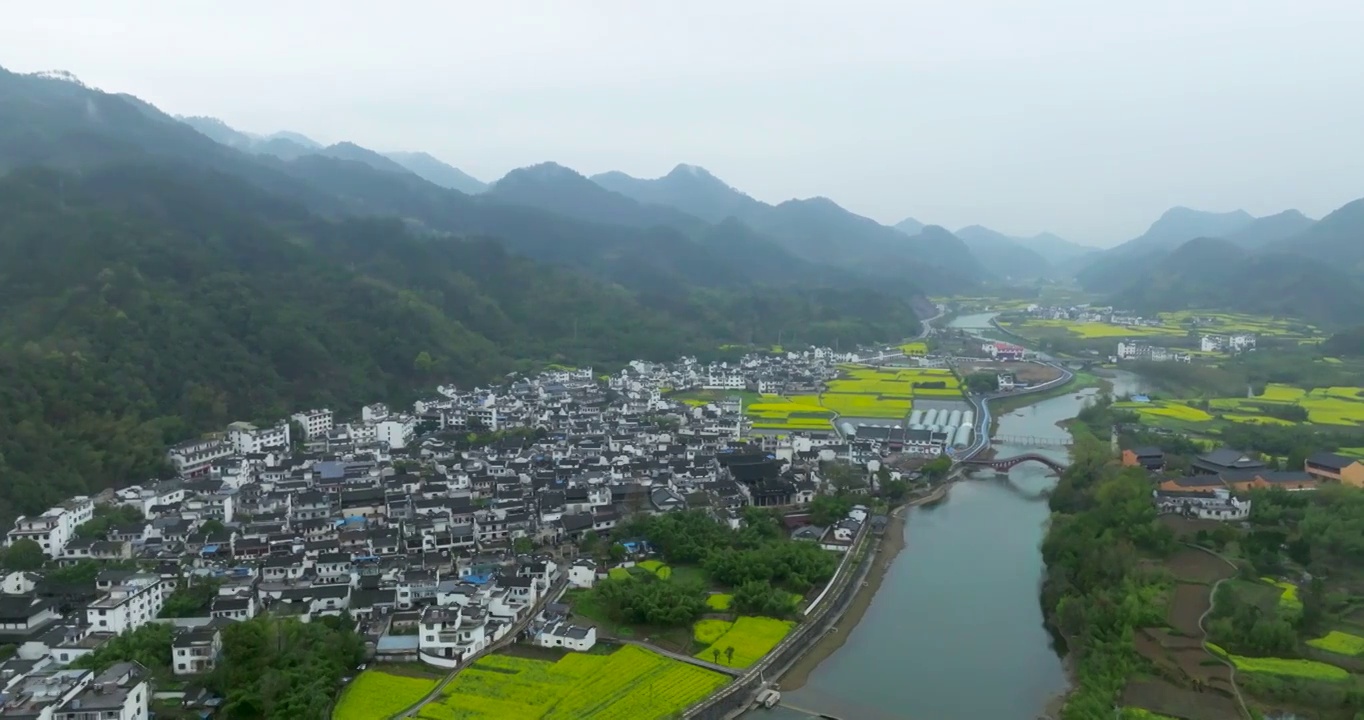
point(1007, 463)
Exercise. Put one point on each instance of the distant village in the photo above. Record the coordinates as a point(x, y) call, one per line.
point(436, 544)
point(1140, 350)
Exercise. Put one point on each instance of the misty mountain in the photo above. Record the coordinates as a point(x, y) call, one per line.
point(688, 188)
point(1002, 255)
point(1337, 238)
point(1055, 249)
point(1270, 229)
point(1217, 273)
point(435, 171)
point(64, 125)
point(1178, 225)
point(946, 249)
point(553, 187)
point(910, 226)
point(295, 138)
point(354, 153)
point(283, 145)
point(816, 229)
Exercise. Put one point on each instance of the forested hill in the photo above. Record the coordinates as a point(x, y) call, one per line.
point(144, 304)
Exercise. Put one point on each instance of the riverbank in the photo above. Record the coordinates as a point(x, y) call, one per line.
point(892, 542)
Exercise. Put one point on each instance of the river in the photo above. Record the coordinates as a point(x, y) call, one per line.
point(956, 630)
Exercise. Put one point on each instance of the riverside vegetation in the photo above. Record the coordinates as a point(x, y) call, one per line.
point(1126, 592)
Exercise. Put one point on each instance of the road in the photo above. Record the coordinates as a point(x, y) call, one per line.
point(554, 592)
point(982, 406)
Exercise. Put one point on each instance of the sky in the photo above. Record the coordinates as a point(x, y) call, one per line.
point(1087, 118)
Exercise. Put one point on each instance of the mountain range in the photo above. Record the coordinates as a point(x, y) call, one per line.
point(1283, 264)
point(162, 276)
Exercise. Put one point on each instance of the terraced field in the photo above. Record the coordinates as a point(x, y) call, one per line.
point(629, 684)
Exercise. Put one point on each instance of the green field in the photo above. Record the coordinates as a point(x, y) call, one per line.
point(883, 392)
point(377, 694)
point(628, 684)
point(774, 412)
point(1286, 667)
point(1340, 405)
point(751, 637)
point(1340, 643)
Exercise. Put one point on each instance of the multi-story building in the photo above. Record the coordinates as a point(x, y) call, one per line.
point(397, 432)
point(55, 527)
point(248, 439)
point(128, 605)
point(315, 423)
point(196, 457)
point(195, 650)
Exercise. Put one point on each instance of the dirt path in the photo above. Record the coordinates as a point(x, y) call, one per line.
point(1212, 601)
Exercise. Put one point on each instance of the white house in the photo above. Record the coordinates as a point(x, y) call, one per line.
point(397, 432)
point(55, 527)
point(196, 457)
point(582, 574)
point(560, 634)
point(127, 605)
point(248, 439)
point(195, 650)
point(119, 693)
point(1220, 505)
point(315, 423)
point(446, 635)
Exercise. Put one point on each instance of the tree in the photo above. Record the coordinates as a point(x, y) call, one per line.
point(729, 655)
point(589, 542)
point(192, 598)
point(982, 382)
point(149, 644)
point(23, 555)
point(212, 526)
point(895, 490)
point(715, 653)
point(523, 546)
point(825, 510)
point(937, 468)
point(617, 552)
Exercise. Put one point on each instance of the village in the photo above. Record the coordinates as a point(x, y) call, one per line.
point(440, 530)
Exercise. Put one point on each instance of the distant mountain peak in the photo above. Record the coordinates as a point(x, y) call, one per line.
point(692, 171)
point(545, 171)
point(910, 226)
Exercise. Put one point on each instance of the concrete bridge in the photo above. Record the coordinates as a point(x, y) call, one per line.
point(1032, 441)
point(1005, 464)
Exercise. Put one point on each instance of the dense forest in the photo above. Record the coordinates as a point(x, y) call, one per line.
point(144, 304)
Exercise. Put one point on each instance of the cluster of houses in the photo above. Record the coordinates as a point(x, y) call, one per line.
point(1232, 344)
point(1209, 491)
point(1136, 350)
point(394, 518)
point(1091, 314)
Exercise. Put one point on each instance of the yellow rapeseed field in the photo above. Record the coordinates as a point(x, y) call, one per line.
point(629, 684)
point(751, 637)
point(377, 694)
point(1340, 643)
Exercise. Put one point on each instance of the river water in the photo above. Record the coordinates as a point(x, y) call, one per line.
point(956, 630)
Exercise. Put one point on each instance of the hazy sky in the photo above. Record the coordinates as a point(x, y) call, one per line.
point(1085, 117)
